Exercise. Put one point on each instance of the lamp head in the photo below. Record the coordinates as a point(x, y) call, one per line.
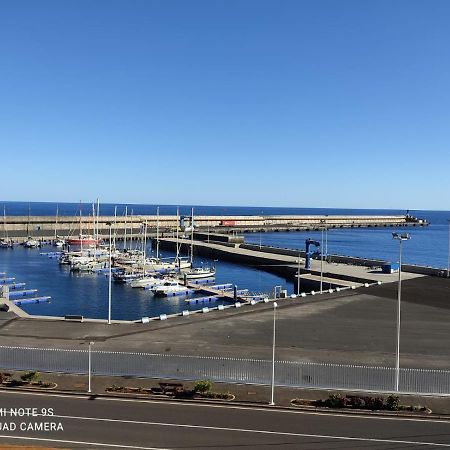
point(401, 236)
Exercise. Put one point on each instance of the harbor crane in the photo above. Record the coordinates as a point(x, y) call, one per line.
point(309, 253)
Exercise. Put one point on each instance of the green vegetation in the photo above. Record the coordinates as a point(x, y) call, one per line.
point(393, 403)
point(31, 376)
point(203, 386)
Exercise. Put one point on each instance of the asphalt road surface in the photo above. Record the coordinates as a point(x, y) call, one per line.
point(90, 422)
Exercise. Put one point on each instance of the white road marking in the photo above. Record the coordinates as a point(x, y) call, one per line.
point(245, 430)
point(244, 408)
point(98, 444)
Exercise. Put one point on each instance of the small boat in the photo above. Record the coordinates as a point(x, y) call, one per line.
point(90, 266)
point(6, 243)
point(59, 242)
point(125, 277)
point(183, 263)
point(146, 281)
point(31, 243)
point(87, 263)
point(84, 240)
point(128, 257)
point(170, 288)
point(198, 272)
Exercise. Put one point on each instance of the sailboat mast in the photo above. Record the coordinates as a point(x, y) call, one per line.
point(143, 250)
point(178, 249)
point(192, 235)
point(115, 225)
point(5, 231)
point(94, 228)
point(125, 229)
point(81, 232)
point(131, 229)
point(157, 232)
point(56, 223)
point(28, 224)
point(98, 216)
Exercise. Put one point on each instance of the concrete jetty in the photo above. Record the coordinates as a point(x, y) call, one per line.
point(47, 227)
point(331, 276)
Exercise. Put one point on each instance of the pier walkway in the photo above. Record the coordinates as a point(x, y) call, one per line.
point(333, 274)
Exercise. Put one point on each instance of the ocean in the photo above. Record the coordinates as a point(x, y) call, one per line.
point(428, 245)
point(87, 294)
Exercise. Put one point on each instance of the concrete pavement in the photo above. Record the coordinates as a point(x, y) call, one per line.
point(349, 327)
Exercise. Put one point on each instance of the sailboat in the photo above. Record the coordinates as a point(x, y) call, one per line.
point(198, 272)
point(30, 242)
point(181, 263)
point(5, 242)
point(195, 272)
point(83, 240)
point(58, 241)
point(156, 264)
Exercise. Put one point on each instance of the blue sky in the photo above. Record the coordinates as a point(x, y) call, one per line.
point(277, 103)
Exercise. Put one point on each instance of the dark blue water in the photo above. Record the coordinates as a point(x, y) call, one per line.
point(72, 209)
point(428, 246)
point(86, 294)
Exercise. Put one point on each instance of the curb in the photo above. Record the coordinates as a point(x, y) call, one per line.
point(232, 403)
point(368, 412)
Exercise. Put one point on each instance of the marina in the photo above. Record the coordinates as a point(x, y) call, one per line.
point(144, 305)
point(85, 294)
point(250, 263)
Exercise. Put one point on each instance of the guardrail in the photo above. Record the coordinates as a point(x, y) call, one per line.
point(230, 370)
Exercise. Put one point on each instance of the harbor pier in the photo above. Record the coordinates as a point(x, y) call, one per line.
point(286, 263)
point(49, 227)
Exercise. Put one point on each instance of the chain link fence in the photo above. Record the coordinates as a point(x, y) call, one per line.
point(230, 370)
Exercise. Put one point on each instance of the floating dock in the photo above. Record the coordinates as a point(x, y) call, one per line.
point(13, 295)
point(27, 301)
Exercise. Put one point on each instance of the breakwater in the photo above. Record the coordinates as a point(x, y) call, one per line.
point(48, 227)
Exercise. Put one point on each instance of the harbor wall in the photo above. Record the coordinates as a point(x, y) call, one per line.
point(47, 227)
point(285, 269)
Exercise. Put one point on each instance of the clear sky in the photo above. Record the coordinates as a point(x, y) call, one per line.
point(314, 103)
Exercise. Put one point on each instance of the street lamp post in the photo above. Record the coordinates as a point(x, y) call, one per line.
point(399, 237)
point(90, 365)
point(448, 255)
point(321, 263)
point(110, 273)
point(298, 276)
point(272, 385)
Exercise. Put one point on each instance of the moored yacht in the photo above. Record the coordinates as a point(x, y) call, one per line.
point(31, 243)
point(170, 288)
point(198, 272)
point(85, 240)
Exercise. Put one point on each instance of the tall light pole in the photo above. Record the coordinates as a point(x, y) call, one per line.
point(90, 365)
point(321, 260)
point(399, 237)
point(298, 275)
point(448, 256)
point(110, 273)
point(272, 384)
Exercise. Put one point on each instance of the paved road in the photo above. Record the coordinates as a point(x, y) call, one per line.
point(118, 423)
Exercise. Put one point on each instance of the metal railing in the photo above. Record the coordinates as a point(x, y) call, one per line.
point(230, 370)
